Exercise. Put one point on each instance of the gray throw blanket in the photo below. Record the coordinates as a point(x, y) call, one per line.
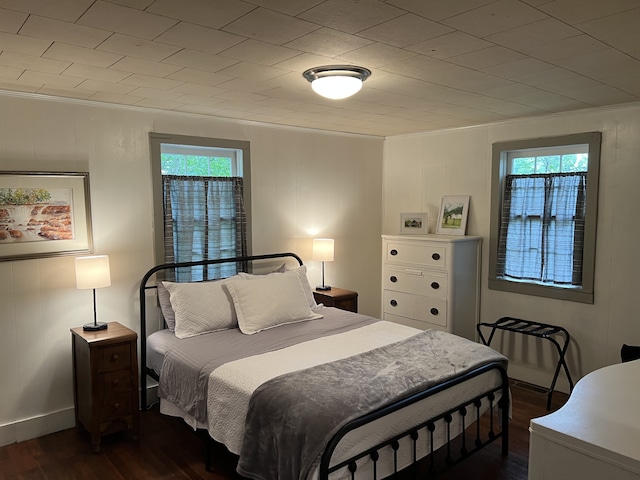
point(291, 418)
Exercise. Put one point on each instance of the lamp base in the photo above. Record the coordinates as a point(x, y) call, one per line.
point(95, 326)
point(323, 287)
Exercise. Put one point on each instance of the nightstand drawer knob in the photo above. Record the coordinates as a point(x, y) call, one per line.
point(436, 256)
point(434, 311)
point(115, 382)
point(394, 252)
point(393, 278)
point(116, 406)
point(393, 303)
point(115, 357)
point(435, 285)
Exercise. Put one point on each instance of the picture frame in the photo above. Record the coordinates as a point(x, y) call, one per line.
point(454, 210)
point(44, 214)
point(414, 223)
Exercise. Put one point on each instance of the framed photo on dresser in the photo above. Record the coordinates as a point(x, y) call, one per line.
point(452, 219)
point(414, 223)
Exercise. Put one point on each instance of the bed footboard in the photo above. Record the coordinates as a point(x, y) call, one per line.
point(493, 425)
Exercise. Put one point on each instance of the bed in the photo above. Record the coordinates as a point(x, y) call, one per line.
point(303, 391)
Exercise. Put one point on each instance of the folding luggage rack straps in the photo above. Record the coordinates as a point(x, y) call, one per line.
point(534, 329)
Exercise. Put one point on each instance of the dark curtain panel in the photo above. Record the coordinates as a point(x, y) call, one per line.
point(204, 219)
point(542, 228)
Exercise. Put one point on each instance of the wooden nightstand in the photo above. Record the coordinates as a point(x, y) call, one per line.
point(105, 380)
point(338, 297)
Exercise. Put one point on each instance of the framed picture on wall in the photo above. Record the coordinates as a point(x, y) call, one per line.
point(414, 223)
point(44, 214)
point(452, 219)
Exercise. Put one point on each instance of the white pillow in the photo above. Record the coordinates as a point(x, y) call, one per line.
point(201, 307)
point(269, 301)
point(300, 272)
point(165, 305)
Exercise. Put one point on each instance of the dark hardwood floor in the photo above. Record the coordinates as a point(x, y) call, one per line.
point(168, 449)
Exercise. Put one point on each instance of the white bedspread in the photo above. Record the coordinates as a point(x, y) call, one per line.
point(231, 385)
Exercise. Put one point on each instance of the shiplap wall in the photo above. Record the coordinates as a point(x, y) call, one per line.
point(420, 169)
point(304, 184)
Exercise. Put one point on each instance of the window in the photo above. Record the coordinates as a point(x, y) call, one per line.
point(201, 200)
point(543, 216)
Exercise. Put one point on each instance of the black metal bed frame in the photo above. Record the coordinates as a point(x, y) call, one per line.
point(498, 410)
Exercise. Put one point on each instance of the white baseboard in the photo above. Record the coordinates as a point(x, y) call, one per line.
point(41, 425)
point(38, 426)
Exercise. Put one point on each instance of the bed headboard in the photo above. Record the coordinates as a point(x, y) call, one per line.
point(246, 261)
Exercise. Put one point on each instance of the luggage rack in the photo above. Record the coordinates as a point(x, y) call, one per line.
point(534, 329)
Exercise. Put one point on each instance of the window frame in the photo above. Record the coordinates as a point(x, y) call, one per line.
point(500, 159)
point(155, 141)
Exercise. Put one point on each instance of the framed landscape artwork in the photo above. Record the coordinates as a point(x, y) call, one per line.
point(452, 219)
point(414, 223)
point(44, 214)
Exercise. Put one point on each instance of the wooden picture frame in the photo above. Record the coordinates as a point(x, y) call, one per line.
point(44, 214)
point(414, 223)
point(454, 211)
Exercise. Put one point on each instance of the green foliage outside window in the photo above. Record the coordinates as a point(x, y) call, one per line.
point(196, 165)
point(550, 164)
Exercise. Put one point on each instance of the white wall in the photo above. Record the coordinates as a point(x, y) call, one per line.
point(420, 169)
point(304, 183)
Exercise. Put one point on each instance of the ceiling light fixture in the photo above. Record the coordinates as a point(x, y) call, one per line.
point(337, 81)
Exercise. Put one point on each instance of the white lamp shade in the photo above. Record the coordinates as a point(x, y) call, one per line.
point(93, 272)
point(336, 87)
point(323, 249)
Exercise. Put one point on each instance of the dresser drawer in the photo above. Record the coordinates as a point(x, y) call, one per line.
point(411, 322)
point(418, 307)
point(430, 255)
point(415, 280)
point(115, 357)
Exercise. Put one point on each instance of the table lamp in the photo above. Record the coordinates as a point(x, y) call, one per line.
point(323, 252)
point(93, 272)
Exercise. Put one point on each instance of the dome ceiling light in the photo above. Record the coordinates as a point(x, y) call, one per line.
point(337, 81)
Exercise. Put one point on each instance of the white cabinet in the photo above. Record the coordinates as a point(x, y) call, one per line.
point(595, 435)
point(432, 281)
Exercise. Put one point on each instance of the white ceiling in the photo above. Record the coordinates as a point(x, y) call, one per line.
point(436, 63)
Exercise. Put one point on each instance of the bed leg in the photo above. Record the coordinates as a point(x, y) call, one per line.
point(207, 454)
point(504, 411)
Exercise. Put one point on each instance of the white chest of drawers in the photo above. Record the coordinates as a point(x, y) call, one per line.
point(432, 281)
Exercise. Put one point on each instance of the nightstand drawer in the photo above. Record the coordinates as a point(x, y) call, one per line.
point(116, 406)
point(116, 382)
point(115, 357)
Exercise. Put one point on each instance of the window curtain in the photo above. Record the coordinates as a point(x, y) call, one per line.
point(204, 219)
point(542, 228)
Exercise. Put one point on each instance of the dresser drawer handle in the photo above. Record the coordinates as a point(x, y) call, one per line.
point(393, 303)
point(394, 252)
point(393, 278)
point(116, 406)
point(435, 256)
point(435, 285)
point(434, 311)
point(115, 382)
point(115, 357)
